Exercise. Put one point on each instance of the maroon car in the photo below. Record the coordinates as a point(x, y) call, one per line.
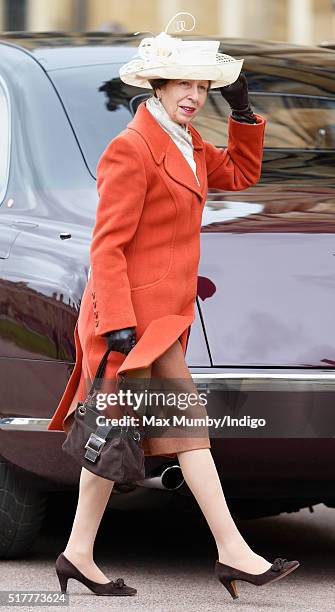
point(262, 345)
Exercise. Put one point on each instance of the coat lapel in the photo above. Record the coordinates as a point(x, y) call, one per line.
point(165, 151)
point(179, 169)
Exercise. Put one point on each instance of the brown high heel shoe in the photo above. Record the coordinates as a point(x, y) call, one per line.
point(65, 570)
point(227, 575)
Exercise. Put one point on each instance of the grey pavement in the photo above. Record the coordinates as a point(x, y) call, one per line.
point(168, 554)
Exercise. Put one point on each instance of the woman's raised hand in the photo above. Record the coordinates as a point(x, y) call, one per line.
point(121, 340)
point(237, 96)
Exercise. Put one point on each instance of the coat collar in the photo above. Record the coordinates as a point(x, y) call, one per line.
point(164, 150)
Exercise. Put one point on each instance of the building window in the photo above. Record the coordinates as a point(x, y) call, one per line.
point(15, 15)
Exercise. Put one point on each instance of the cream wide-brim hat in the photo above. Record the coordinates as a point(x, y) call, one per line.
point(167, 57)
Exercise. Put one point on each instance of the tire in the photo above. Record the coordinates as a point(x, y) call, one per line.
point(22, 510)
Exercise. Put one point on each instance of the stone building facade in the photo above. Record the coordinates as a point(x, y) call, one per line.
point(298, 21)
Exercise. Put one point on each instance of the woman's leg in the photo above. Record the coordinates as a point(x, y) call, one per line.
point(94, 493)
point(201, 476)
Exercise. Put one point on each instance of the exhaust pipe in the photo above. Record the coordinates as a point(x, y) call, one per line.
point(169, 477)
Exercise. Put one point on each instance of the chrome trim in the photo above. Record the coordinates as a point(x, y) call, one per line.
point(24, 423)
point(264, 375)
point(39, 424)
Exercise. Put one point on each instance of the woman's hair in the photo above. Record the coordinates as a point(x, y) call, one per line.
point(158, 83)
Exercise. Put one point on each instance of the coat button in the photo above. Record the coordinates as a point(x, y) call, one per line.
point(96, 323)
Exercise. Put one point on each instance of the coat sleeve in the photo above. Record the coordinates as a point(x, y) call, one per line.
point(239, 165)
point(121, 185)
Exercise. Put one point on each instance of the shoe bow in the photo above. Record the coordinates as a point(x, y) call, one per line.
point(278, 564)
point(119, 582)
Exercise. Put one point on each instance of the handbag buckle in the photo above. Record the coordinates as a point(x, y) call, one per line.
point(94, 447)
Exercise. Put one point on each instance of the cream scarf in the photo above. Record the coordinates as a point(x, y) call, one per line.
point(179, 134)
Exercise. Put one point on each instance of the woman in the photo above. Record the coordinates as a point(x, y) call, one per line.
point(152, 181)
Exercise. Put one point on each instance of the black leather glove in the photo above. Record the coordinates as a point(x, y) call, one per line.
point(237, 96)
point(121, 340)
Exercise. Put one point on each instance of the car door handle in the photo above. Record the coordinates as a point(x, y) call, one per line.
point(23, 224)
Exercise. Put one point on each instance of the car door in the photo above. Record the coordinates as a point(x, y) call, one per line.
point(267, 266)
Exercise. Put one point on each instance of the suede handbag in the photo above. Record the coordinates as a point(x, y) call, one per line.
point(110, 451)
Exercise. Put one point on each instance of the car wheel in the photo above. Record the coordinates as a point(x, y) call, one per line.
point(22, 509)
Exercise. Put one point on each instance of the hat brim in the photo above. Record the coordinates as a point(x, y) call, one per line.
point(220, 75)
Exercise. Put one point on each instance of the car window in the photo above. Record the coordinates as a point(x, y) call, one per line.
point(293, 121)
point(99, 107)
point(96, 107)
point(4, 139)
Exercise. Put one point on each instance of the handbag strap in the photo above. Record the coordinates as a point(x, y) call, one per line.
point(97, 381)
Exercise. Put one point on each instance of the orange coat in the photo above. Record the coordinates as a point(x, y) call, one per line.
point(145, 246)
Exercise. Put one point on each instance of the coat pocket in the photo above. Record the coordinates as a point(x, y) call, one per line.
point(152, 257)
point(156, 282)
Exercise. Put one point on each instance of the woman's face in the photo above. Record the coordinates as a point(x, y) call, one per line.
point(183, 98)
